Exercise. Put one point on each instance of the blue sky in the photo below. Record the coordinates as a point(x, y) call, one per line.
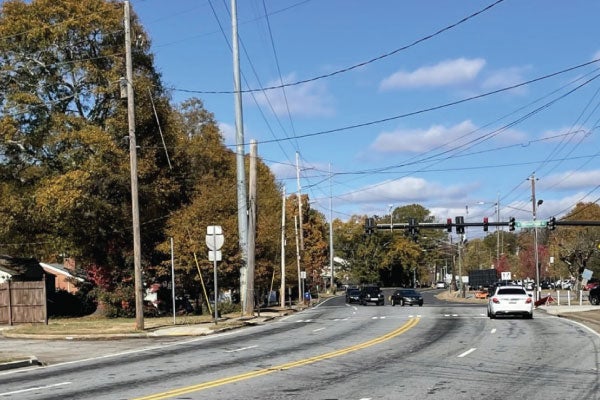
point(405, 101)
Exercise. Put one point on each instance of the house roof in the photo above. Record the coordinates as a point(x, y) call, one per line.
point(21, 268)
point(59, 269)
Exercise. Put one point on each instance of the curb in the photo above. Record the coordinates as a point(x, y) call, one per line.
point(30, 362)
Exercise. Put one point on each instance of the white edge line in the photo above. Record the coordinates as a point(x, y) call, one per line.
point(466, 353)
point(241, 349)
point(35, 388)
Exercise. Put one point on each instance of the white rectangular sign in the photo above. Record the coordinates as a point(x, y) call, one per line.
point(211, 255)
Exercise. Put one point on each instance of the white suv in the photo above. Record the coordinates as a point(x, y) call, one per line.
point(510, 300)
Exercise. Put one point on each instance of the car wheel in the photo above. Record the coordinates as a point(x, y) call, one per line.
point(492, 316)
point(530, 316)
point(595, 300)
point(421, 305)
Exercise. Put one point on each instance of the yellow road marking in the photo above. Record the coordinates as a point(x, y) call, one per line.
point(253, 374)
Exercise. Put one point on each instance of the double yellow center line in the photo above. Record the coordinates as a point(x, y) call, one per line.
point(253, 374)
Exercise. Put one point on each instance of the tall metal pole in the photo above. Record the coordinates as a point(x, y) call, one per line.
point(241, 175)
point(330, 231)
point(298, 261)
point(391, 217)
point(299, 202)
point(535, 238)
point(215, 283)
point(282, 289)
point(135, 213)
point(173, 280)
point(497, 231)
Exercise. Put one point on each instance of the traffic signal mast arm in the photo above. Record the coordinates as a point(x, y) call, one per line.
point(459, 224)
point(435, 225)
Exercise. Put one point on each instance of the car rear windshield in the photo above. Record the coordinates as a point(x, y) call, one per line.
point(409, 292)
point(511, 291)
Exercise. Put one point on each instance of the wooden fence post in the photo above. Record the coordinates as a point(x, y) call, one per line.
point(9, 295)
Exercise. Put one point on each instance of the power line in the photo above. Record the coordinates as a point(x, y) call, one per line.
point(355, 66)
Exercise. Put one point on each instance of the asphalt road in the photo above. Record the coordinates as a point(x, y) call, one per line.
point(338, 351)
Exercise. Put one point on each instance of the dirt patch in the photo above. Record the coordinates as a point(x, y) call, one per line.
point(456, 297)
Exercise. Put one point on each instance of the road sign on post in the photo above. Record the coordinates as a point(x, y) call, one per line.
point(214, 241)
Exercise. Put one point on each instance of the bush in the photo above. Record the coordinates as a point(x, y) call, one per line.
point(64, 304)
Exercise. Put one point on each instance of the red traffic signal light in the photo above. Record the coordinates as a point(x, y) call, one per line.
point(485, 224)
point(449, 225)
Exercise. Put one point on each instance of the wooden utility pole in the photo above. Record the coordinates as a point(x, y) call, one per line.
point(251, 230)
point(137, 257)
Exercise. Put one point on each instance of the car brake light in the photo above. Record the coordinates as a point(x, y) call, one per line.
point(528, 300)
point(495, 300)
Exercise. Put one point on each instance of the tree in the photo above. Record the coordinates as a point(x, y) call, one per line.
point(576, 248)
point(65, 161)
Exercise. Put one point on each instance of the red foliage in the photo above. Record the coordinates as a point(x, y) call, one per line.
point(100, 276)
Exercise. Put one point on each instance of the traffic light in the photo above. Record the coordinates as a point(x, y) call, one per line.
point(460, 225)
point(449, 225)
point(413, 228)
point(511, 224)
point(485, 224)
point(552, 223)
point(369, 226)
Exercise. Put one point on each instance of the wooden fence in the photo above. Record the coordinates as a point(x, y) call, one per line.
point(23, 302)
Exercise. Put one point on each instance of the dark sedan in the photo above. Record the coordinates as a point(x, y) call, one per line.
point(406, 296)
point(353, 296)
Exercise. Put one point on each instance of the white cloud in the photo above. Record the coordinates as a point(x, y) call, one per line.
point(404, 190)
point(419, 140)
point(283, 171)
point(445, 73)
point(503, 78)
point(570, 180)
point(566, 133)
point(305, 100)
point(228, 132)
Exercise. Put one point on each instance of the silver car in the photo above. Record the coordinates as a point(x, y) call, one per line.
point(510, 300)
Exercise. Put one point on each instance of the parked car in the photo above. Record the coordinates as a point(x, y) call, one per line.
point(594, 296)
point(406, 296)
point(565, 284)
point(353, 295)
point(510, 300)
point(371, 294)
point(592, 283)
point(441, 285)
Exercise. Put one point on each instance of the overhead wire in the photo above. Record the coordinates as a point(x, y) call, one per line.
point(355, 66)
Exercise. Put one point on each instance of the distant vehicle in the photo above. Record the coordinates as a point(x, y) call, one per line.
point(407, 297)
point(546, 285)
point(565, 284)
point(352, 295)
point(594, 296)
point(483, 278)
point(441, 285)
point(371, 294)
point(510, 300)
